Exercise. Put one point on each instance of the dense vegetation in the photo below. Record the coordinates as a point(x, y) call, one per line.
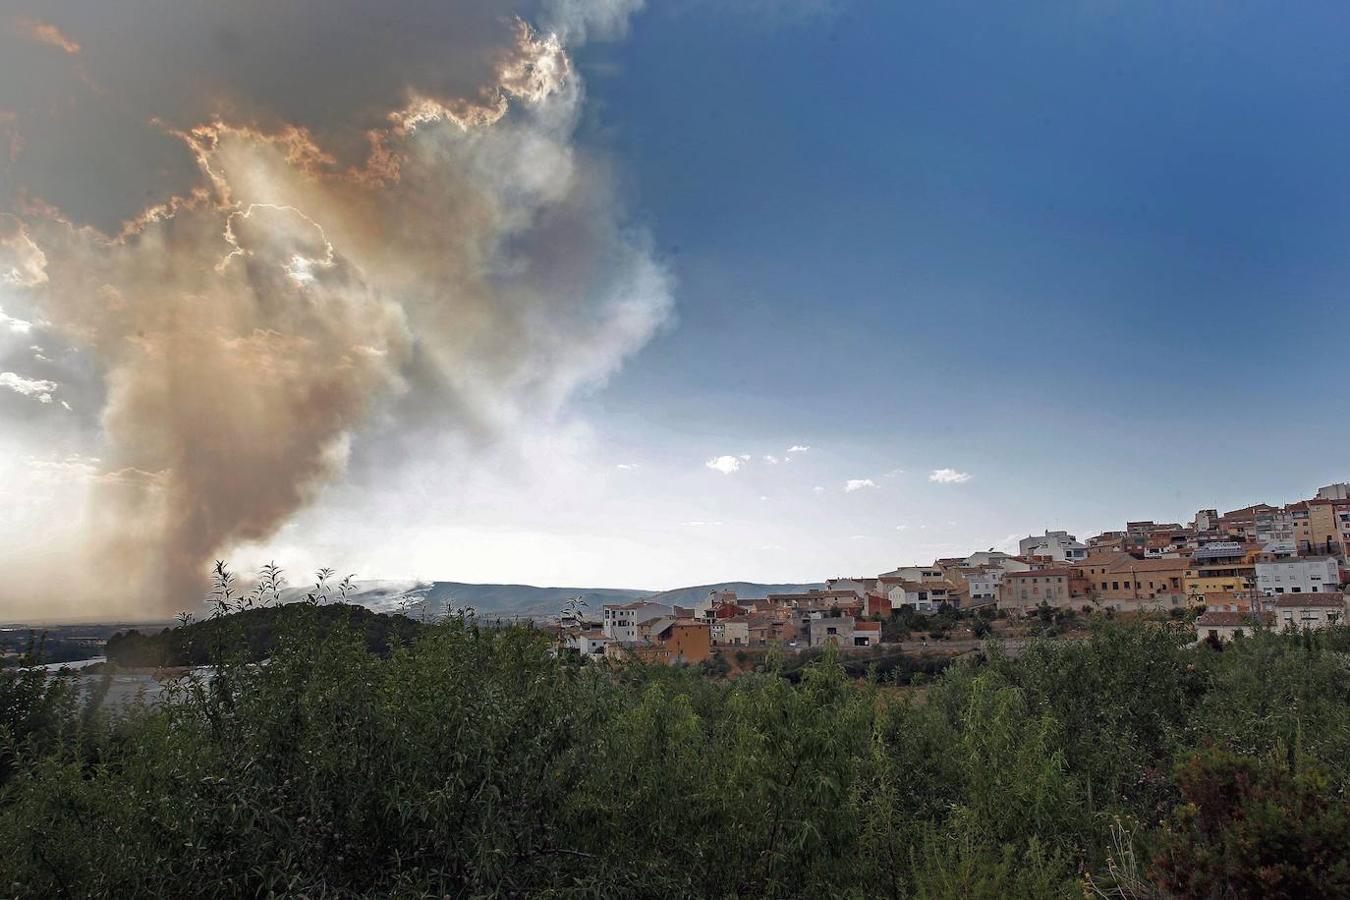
point(471, 762)
point(256, 633)
point(28, 645)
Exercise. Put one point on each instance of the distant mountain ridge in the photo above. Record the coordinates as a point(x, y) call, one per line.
point(437, 597)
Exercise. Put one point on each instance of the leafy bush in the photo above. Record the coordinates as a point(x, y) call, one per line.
point(472, 761)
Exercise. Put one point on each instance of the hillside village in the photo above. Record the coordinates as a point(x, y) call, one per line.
point(1261, 566)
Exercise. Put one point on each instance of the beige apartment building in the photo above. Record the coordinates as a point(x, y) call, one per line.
point(1128, 584)
point(1062, 588)
point(1327, 521)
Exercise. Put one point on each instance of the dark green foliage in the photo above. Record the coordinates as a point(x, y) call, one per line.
point(44, 647)
point(887, 664)
point(196, 643)
point(466, 761)
point(1254, 828)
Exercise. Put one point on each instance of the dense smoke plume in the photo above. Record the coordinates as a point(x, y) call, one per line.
point(257, 225)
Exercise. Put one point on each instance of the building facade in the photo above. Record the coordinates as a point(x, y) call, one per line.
point(1128, 584)
point(621, 621)
point(1059, 546)
point(1310, 612)
point(1062, 588)
point(1298, 575)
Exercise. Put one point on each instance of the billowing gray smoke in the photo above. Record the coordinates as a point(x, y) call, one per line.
point(262, 222)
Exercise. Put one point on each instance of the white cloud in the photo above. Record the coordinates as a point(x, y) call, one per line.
point(18, 326)
point(818, 489)
point(895, 473)
point(772, 460)
point(73, 467)
point(725, 464)
point(949, 476)
point(627, 467)
point(697, 524)
point(745, 457)
point(798, 448)
point(857, 484)
point(36, 388)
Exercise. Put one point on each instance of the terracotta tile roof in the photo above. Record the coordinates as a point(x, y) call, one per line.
point(1104, 559)
point(1131, 564)
point(1222, 618)
point(1320, 600)
point(812, 595)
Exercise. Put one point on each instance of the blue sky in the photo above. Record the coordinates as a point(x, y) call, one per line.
point(1091, 253)
point(1087, 258)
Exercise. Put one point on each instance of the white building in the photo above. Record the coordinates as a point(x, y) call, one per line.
point(621, 620)
point(840, 631)
point(1298, 575)
point(1275, 526)
point(1310, 611)
point(589, 643)
point(859, 586)
point(924, 596)
point(988, 558)
point(1224, 625)
point(1279, 550)
point(1338, 491)
point(983, 585)
point(1057, 545)
point(916, 573)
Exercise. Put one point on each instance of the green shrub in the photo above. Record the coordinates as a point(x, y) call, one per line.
point(472, 761)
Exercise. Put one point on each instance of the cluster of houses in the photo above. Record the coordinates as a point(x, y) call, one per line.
point(1259, 566)
point(659, 633)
